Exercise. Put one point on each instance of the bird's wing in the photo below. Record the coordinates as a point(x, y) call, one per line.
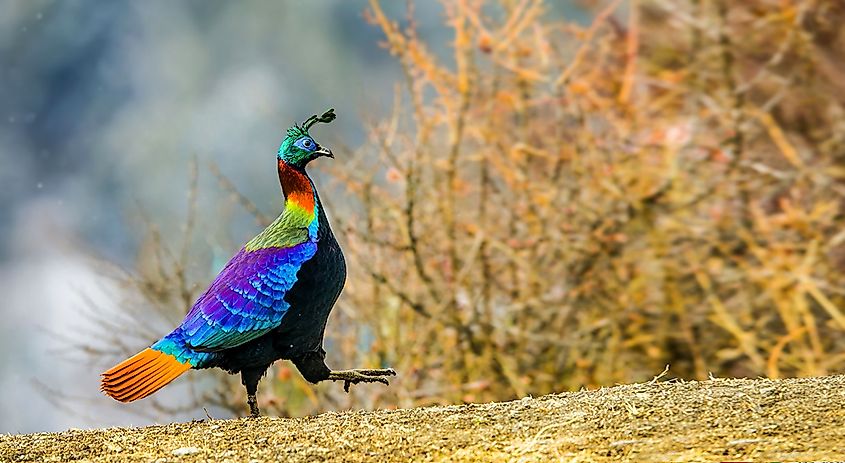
point(246, 300)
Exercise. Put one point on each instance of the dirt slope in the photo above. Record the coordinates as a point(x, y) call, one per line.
point(761, 420)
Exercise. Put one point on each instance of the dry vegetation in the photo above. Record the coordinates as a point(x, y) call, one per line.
point(579, 206)
point(560, 206)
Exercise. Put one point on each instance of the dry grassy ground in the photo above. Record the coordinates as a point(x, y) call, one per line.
point(760, 420)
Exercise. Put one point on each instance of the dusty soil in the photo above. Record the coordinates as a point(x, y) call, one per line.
point(760, 420)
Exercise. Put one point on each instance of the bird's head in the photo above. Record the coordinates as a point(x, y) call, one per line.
point(299, 148)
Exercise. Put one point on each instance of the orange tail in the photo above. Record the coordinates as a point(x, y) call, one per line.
point(141, 375)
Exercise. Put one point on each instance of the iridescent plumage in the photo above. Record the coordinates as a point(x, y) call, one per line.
point(246, 300)
point(271, 300)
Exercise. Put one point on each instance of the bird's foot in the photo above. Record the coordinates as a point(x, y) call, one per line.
point(361, 376)
point(252, 401)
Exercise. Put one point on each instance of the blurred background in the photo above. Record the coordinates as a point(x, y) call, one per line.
point(533, 196)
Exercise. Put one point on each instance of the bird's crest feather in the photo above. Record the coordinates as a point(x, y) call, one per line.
point(298, 131)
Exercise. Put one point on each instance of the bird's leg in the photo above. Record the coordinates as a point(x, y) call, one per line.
point(361, 375)
point(250, 379)
point(252, 401)
point(313, 367)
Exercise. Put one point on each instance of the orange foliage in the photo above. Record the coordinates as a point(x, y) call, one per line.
point(566, 206)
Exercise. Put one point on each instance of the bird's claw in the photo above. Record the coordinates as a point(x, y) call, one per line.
point(350, 377)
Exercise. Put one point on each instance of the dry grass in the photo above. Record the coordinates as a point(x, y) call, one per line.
point(720, 420)
point(560, 206)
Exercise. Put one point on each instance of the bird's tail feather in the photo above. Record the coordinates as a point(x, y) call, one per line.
point(141, 375)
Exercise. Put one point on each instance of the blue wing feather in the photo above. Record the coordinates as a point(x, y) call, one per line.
point(247, 299)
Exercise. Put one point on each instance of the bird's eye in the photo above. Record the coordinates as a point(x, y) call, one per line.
point(307, 143)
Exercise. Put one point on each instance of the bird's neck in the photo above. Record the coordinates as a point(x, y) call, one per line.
point(298, 190)
point(299, 219)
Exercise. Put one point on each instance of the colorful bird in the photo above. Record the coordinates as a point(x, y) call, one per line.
point(270, 302)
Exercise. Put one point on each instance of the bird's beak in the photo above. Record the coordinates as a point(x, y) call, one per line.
point(323, 151)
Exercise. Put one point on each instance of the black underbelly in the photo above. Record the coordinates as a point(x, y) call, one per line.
point(319, 283)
